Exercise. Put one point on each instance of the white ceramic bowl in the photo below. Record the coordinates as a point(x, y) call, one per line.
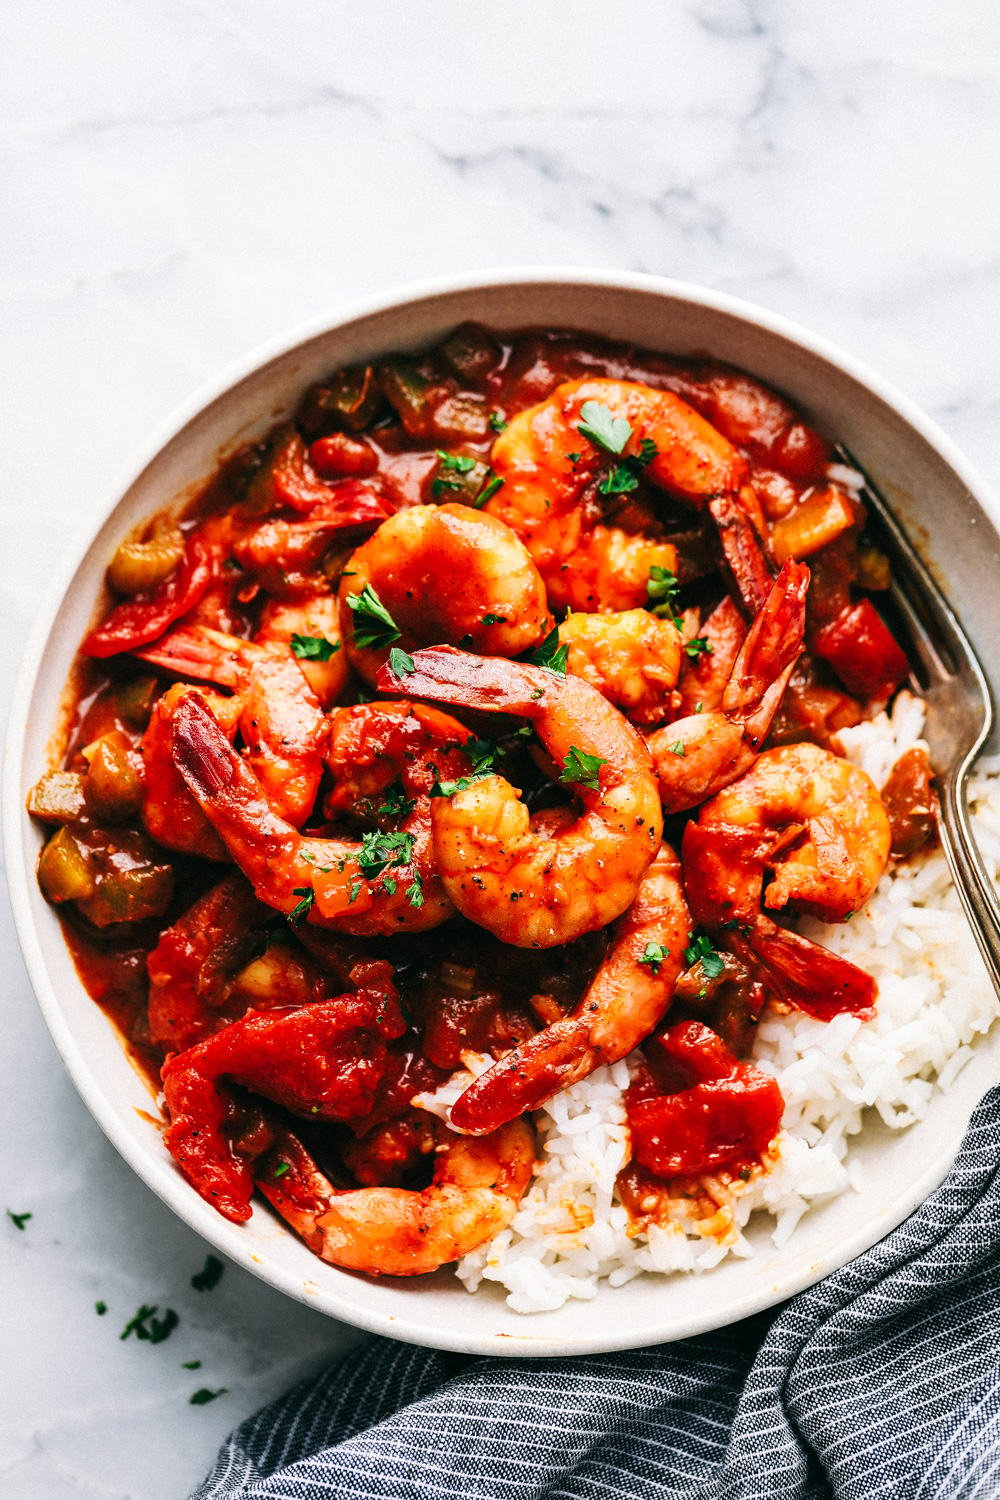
point(950, 515)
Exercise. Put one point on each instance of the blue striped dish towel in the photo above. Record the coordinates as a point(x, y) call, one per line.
point(884, 1380)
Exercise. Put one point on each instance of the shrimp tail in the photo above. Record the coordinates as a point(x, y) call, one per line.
point(197, 651)
point(768, 655)
point(742, 550)
point(524, 1078)
point(803, 974)
point(227, 790)
point(445, 675)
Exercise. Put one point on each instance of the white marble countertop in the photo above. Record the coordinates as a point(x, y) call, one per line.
point(182, 180)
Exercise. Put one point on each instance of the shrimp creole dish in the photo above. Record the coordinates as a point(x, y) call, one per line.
point(494, 816)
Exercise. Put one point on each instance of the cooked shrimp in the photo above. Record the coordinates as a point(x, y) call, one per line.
point(281, 720)
point(169, 811)
point(383, 755)
point(696, 756)
point(386, 883)
point(192, 966)
point(620, 1007)
point(285, 556)
point(313, 624)
point(812, 819)
point(446, 573)
point(323, 1061)
point(549, 467)
point(631, 657)
point(392, 1231)
point(537, 885)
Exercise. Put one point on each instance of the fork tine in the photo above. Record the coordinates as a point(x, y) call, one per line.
point(947, 656)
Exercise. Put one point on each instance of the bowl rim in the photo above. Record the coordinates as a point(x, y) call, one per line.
point(175, 1193)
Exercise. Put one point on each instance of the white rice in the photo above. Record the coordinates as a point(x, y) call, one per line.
point(571, 1233)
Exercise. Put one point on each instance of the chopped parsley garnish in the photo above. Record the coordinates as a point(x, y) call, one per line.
point(654, 955)
point(100, 1308)
point(484, 754)
point(581, 769)
point(389, 884)
point(281, 1169)
point(550, 654)
point(415, 892)
point(301, 910)
point(209, 1276)
point(697, 647)
point(677, 748)
point(203, 1397)
point(380, 851)
point(459, 462)
point(313, 647)
point(18, 1220)
point(494, 620)
point(603, 429)
point(701, 950)
point(612, 433)
point(396, 804)
point(456, 463)
point(146, 1325)
point(401, 662)
point(662, 589)
point(619, 480)
point(497, 421)
point(354, 892)
point(493, 483)
point(373, 624)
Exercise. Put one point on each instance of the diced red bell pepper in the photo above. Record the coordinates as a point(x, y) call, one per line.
point(863, 652)
point(322, 1061)
point(726, 1115)
point(139, 621)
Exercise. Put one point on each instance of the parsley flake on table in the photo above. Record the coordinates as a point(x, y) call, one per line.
point(100, 1308)
point(654, 955)
point(373, 624)
point(204, 1396)
point(313, 647)
point(209, 1276)
point(550, 654)
point(191, 1364)
point(146, 1325)
point(18, 1220)
point(581, 769)
point(701, 950)
point(602, 428)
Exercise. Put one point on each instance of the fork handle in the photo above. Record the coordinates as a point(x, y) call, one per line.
point(976, 890)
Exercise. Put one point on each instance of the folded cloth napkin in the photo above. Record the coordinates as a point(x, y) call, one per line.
point(883, 1380)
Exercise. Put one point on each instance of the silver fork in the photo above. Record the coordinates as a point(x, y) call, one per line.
point(959, 714)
